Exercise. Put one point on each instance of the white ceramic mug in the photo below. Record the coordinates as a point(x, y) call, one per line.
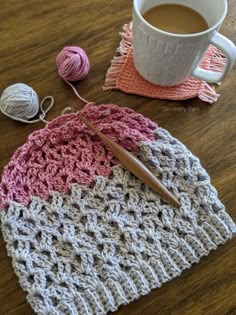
point(169, 59)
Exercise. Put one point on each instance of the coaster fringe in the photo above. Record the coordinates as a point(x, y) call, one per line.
point(118, 62)
point(218, 61)
point(208, 93)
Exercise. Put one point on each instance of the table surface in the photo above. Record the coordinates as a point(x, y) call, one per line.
point(32, 33)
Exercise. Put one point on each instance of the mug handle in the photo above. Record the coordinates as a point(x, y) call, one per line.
point(229, 49)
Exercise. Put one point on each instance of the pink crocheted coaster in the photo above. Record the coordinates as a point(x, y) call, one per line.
point(123, 76)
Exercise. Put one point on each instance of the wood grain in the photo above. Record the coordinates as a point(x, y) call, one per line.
point(32, 33)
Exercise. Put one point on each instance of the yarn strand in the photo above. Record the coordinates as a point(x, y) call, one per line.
point(77, 93)
point(44, 112)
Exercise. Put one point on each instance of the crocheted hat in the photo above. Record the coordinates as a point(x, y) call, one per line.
point(84, 234)
point(123, 76)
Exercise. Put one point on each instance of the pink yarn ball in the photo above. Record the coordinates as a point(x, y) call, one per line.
point(72, 63)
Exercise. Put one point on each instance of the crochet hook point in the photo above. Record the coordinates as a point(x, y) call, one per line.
point(134, 165)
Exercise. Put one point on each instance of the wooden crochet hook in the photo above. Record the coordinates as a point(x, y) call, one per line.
point(134, 165)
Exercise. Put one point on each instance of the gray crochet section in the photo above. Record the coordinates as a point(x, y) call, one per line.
point(99, 247)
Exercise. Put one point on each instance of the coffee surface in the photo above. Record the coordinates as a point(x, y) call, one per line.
point(176, 18)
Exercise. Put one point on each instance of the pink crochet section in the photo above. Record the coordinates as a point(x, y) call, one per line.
point(67, 152)
point(123, 76)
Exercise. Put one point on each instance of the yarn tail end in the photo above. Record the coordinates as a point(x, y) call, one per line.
point(119, 61)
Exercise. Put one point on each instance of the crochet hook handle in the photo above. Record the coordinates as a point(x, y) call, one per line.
point(134, 165)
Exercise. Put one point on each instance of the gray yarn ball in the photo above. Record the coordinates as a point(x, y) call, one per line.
point(19, 101)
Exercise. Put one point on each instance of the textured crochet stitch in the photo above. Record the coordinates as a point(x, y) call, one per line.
point(84, 234)
point(123, 76)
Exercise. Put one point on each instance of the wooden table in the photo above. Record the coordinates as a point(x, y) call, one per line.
point(32, 33)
